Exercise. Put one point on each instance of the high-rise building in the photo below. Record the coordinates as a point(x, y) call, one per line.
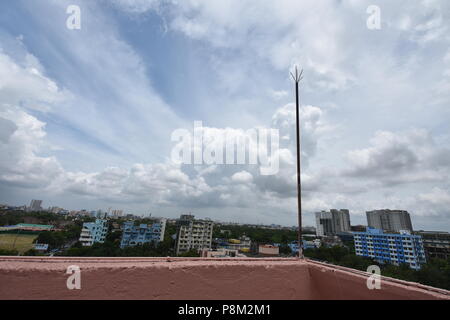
point(390, 248)
point(341, 220)
point(137, 235)
point(93, 232)
point(324, 224)
point(389, 220)
point(117, 213)
point(193, 234)
point(436, 244)
point(333, 222)
point(35, 205)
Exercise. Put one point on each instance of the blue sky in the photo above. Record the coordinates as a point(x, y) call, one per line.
point(86, 115)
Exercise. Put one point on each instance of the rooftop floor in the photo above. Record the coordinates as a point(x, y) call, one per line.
point(195, 279)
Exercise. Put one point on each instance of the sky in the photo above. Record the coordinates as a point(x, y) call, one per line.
point(87, 115)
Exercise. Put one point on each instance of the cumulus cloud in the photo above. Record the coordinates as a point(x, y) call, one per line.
point(23, 140)
point(397, 158)
point(24, 84)
point(22, 136)
point(7, 128)
point(242, 177)
point(20, 164)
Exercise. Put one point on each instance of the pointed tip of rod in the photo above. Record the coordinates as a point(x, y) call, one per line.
point(298, 75)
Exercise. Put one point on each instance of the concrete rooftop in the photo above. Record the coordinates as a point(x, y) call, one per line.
point(196, 278)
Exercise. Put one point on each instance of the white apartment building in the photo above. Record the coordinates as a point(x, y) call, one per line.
point(193, 234)
point(93, 232)
point(330, 223)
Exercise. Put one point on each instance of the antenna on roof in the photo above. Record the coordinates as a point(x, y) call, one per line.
point(297, 78)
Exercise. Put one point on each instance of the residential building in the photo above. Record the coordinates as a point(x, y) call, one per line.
point(117, 213)
point(330, 223)
point(341, 220)
point(345, 236)
point(358, 228)
point(43, 247)
point(193, 234)
point(35, 205)
point(137, 235)
point(221, 253)
point(268, 250)
point(324, 223)
point(436, 244)
point(307, 244)
point(389, 220)
point(331, 241)
point(395, 248)
point(242, 244)
point(93, 232)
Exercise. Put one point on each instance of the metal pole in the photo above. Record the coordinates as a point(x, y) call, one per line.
point(297, 78)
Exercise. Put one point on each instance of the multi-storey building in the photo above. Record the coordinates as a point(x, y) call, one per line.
point(221, 253)
point(389, 220)
point(117, 213)
point(93, 232)
point(330, 223)
point(35, 205)
point(324, 224)
point(193, 234)
point(242, 244)
point(390, 248)
point(341, 220)
point(436, 244)
point(306, 245)
point(268, 250)
point(137, 235)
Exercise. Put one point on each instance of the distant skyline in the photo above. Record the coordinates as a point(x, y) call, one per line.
point(110, 211)
point(86, 116)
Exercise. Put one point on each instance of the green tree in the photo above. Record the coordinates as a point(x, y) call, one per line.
point(8, 252)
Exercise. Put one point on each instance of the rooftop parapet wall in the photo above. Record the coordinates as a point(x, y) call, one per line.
point(193, 279)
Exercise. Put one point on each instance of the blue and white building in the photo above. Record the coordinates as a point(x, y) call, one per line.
point(41, 247)
point(306, 245)
point(93, 232)
point(137, 235)
point(390, 248)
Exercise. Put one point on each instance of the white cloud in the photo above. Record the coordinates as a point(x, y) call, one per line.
point(22, 136)
point(20, 164)
point(24, 84)
point(242, 177)
point(437, 196)
point(400, 158)
point(137, 6)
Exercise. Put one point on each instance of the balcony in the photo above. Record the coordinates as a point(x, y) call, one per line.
point(195, 278)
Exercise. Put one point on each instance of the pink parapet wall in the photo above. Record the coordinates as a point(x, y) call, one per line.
point(193, 279)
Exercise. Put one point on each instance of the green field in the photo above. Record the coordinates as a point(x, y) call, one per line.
point(23, 243)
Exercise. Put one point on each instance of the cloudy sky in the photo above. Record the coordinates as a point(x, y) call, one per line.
point(86, 116)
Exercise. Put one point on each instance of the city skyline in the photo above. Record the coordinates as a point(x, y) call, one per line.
point(86, 116)
point(339, 223)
